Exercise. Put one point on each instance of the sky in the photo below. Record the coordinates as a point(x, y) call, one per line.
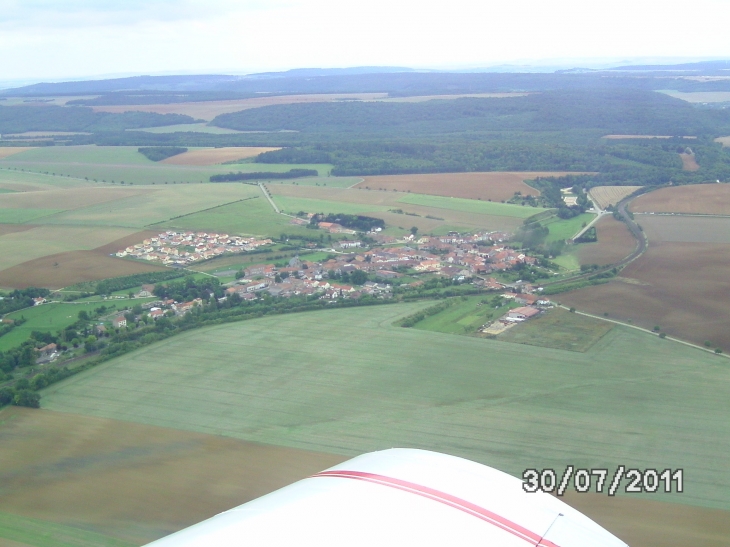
point(51, 40)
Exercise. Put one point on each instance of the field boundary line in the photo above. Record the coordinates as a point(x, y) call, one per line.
point(642, 329)
point(353, 185)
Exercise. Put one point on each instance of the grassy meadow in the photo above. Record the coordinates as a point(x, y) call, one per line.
point(348, 381)
point(562, 229)
point(464, 316)
point(471, 206)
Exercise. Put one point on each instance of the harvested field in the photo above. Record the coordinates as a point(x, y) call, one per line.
point(63, 269)
point(644, 137)
point(689, 163)
point(12, 228)
point(18, 247)
point(725, 141)
point(6, 151)
point(486, 186)
point(207, 110)
point(611, 195)
point(685, 229)
point(349, 381)
point(701, 96)
point(213, 156)
point(705, 199)
point(68, 199)
point(641, 522)
point(680, 287)
point(615, 242)
point(131, 481)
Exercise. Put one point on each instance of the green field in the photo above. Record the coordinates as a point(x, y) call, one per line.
point(293, 205)
point(558, 328)
point(105, 164)
point(562, 229)
point(21, 216)
point(464, 316)
point(165, 203)
point(23, 531)
point(51, 318)
point(331, 182)
point(23, 180)
point(348, 381)
point(250, 217)
point(471, 206)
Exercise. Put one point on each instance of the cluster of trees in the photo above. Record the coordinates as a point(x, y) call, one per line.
point(291, 174)
point(159, 153)
point(108, 286)
point(361, 223)
point(417, 317)
point(19, 119)
point(21, 298)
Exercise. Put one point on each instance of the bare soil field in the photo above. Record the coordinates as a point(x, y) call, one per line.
point(619, 137)
point(213, 156)
point(689, 163)
point(68, 198)
point(685, 229)
point(6, 151)
point(646, 523)
point(63, 269)
point(207, 110)
point(133, 481)
point(12, 228)
point(706, 199)
point(487, 186)
point(614, 243)
point(611, 195)
point(680, 287)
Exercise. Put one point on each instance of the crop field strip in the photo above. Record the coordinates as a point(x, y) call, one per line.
point(132, 482)
point(214, 156)
point(347, 381)
point(493, 186)
point(610, 195)
point(685, 229)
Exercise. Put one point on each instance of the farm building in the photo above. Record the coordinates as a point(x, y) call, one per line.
point(119, 322)
point(522, 314)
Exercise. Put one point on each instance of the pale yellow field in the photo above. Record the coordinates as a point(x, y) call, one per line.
point(725, 141)
point(644, 137)
point(701, 96)
point(423, 98)
point(6, 151)
point(208, 110)
point(213, 156)
point(611, 195)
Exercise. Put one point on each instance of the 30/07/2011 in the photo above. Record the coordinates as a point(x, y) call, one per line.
point(639, 481)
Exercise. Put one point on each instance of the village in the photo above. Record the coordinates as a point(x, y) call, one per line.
point(183, 248)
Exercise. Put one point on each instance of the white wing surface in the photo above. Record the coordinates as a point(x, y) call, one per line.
point(400, 497)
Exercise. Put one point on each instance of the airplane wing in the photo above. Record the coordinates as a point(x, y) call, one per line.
point(400, 497)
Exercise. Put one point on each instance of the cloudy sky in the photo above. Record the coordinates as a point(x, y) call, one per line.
point(56, 39)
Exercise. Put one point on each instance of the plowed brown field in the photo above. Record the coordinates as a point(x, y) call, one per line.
point(64, 269)
point(495, 186)
point(133, 481)
point(6, 151)
point(614, 243)
point(708, 199)
point(213, 156)
point(680, 287)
